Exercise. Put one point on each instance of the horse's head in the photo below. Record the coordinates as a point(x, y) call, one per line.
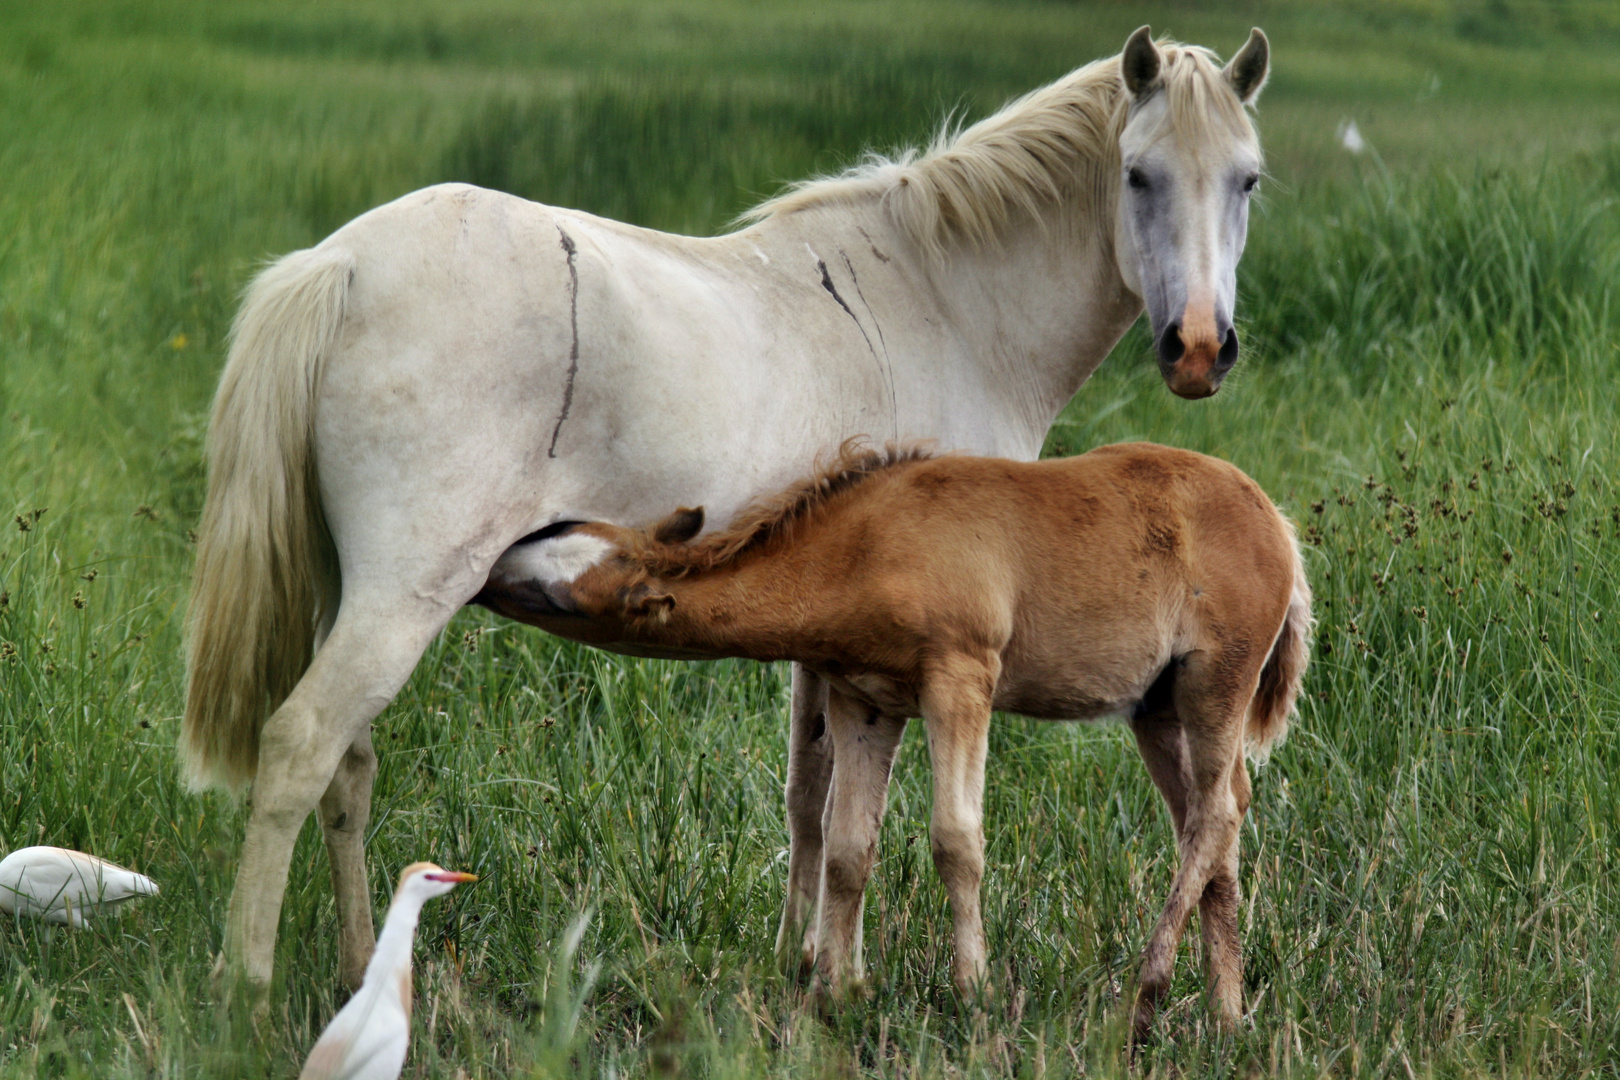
point(1189, 162)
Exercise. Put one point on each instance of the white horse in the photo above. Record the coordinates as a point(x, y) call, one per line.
point(460, 371)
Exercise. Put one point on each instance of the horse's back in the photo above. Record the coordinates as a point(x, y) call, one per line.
point(545, 352)
point(432, 410)
point(500, 360)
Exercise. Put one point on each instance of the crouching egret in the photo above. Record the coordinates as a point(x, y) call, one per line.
point(63, 886)
point(368, 1037)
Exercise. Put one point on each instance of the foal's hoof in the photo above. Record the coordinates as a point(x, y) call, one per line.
point(797, 965)
point(828, 1000)
point(1143, 1014)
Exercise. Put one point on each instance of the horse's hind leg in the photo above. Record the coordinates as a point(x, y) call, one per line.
point(1194, 754)
point(345, 812)
point(809, 774)
point(359, 669)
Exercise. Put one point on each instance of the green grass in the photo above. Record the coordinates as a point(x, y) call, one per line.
point(1429, 387)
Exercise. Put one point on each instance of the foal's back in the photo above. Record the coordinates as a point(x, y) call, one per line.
point(1088, 575)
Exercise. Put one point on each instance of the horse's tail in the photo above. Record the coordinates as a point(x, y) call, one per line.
point(266, 568)
point(1279, 680)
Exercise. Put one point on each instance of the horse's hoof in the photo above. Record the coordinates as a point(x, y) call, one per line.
point(236, 993)
point(977, 993)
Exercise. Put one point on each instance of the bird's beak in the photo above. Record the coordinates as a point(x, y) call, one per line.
point(452, 876)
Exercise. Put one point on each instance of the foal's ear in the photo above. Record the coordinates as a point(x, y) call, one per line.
point(1139, 64)
point(644, 601)
point(680, 526)
point(1247, 70)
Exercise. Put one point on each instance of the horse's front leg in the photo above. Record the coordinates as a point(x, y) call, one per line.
point(956, 703)
point(865, 743)
point(809, 774)
point(345, 812)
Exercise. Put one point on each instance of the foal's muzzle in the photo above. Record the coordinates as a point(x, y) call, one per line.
point(1194, 369)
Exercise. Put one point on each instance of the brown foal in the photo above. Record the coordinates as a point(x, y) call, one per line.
point(1135, 581)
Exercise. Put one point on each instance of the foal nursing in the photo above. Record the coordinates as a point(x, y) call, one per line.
point(1136, 581)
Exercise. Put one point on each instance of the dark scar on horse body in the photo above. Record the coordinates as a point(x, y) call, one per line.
point(887, 365)
point(573, 349)
point(870, 244)
point(827, 283)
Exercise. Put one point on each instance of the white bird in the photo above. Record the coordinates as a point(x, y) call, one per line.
point(1350, 137)
point(369, 1036)
point(63, 886)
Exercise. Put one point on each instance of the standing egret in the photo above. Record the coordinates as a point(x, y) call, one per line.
point(369, 1036)
point(63, 886)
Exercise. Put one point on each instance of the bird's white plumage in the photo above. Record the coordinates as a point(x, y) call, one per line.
point(369, 1037)
point(366, 1040)
point(62, 886)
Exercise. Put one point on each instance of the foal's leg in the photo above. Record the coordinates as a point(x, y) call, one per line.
point(1212, 717)
point(809, 773)
point(864, 743)
point(1160, 740)
point(1218, 917)
point(359, 669)
point(956, 707)
point(345, 812)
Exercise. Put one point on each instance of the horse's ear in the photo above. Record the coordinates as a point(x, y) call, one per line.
point(1247, 70)
point(680, 526)
point(1139, 64)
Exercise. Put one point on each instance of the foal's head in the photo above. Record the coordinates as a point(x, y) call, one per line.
point(590, 570)
point(576, 572)
point(1189, 163)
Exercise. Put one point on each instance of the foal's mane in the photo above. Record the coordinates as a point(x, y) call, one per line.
point(1058, 145)
point(774, 517)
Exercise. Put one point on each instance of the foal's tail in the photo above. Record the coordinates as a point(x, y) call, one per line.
point(266, 568)
point(1285, 667)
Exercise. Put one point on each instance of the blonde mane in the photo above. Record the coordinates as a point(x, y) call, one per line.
point(773, 518)
point(1058, 145)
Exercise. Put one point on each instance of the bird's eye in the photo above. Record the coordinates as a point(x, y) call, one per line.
point(1249, 183)
point(1136, 178)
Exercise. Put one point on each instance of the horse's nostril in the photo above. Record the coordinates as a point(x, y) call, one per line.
point(1170, 345)
point(1228, 354)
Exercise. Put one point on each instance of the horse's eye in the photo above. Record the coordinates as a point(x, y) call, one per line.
point(1249, 184)
point(1136, 178)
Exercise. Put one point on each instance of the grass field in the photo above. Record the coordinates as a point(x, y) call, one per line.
point(1430, 388)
